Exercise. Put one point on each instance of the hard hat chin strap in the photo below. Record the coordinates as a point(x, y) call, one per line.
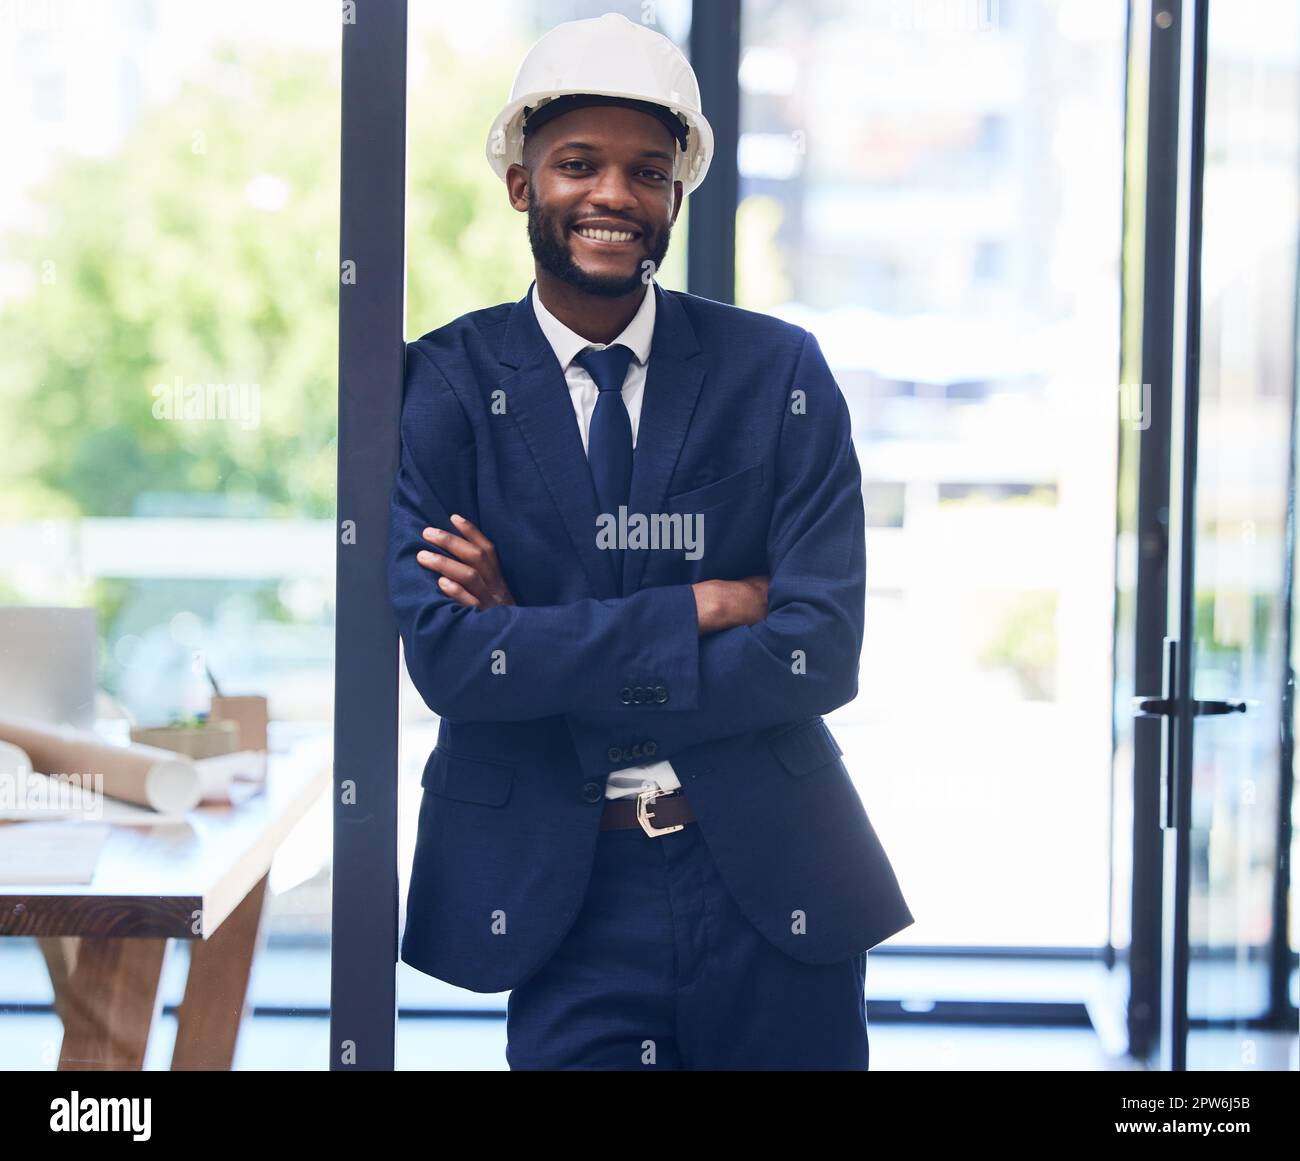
point(538, 115)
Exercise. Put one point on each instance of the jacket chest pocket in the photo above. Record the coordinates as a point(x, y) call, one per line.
point(745, 482)
point(467, 779)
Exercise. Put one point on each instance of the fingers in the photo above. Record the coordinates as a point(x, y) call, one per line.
point(465, 550)
point(462, 574)
point(470, 530)
point(458, 592)
point(456, 580)
point(472, 533)
point(477, 571)
point(444, 565)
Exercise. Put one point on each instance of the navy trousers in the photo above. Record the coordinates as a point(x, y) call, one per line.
point(662, 970)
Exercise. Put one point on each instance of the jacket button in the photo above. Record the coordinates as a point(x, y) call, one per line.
point(625, 695)
point(650, 748)
point(614, 754)
point(661, 693)
point(591, 792)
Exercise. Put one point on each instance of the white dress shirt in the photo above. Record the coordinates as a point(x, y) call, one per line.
point(583, 392)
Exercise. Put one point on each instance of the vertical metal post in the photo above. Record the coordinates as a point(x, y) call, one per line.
point(1164, 23)
point(372, 355)
point(711, 245)
point(1194, 34)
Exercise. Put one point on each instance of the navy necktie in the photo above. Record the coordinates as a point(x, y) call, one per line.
point(609, 440)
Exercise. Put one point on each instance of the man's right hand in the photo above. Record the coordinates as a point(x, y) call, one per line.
point(728, 604)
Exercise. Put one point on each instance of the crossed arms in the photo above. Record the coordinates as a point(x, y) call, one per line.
point(470, 573)
point(737, 656)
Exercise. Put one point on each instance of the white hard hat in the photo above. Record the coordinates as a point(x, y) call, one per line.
point(608, 56)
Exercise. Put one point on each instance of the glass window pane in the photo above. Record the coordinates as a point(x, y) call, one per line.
point(1247, 379)
point(168, 364)
point(934, 191)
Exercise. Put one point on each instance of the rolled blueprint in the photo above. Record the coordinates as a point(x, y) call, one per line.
point(14, 761)
point(146, 775)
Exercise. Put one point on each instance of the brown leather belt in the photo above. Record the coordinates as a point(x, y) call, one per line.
point(655, 811)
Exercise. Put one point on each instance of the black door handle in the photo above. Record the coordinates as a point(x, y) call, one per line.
point(1169, 707)
point(1234, 705)
point(1154, 707)
point(1163, 707)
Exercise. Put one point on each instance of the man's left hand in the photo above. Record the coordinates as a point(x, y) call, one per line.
point(474, 578)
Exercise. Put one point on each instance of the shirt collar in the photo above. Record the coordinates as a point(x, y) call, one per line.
point(637, 335)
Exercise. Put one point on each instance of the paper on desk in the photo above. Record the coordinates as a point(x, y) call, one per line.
point(50, 852)
point(232, 778)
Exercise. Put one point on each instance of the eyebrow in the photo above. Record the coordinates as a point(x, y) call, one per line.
point(586, 145)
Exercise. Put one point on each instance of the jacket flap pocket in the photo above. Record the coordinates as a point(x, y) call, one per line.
point(467, 779)
point(806, 747)
point(724, 489)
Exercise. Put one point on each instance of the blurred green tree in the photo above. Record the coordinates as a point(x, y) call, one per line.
point(206, 251)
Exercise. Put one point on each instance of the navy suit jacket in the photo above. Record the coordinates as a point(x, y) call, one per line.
point(742, 424)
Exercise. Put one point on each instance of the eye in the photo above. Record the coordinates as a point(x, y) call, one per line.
point(571, 161)
point(656, 174)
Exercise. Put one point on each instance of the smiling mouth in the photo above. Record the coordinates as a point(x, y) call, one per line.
point(599, 236)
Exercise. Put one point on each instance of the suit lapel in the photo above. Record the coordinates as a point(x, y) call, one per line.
point(537, 398)
point(673, 378)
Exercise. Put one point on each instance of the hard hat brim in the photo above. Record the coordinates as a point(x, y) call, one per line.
point(504, 146)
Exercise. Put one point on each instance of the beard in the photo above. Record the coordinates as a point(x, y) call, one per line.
point(553, 252)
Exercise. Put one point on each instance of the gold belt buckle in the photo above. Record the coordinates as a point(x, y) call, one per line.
point(643, 815)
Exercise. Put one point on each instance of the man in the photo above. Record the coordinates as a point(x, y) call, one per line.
point(627, 561)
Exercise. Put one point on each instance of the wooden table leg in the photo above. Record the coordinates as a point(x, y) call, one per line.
point(217, 988)
point(106, 993)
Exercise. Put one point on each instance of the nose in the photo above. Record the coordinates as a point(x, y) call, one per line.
point(613, 190)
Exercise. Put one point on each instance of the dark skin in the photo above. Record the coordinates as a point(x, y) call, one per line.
point(606, 168)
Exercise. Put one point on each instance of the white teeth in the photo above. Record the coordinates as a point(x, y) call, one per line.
point(606, 235)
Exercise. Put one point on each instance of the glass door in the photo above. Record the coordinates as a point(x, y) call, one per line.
point(1226, 665)
point(1245, 393)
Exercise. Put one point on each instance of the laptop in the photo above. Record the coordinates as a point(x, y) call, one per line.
point(48, 664)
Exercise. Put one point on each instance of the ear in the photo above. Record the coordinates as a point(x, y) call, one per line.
point(517, 187)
